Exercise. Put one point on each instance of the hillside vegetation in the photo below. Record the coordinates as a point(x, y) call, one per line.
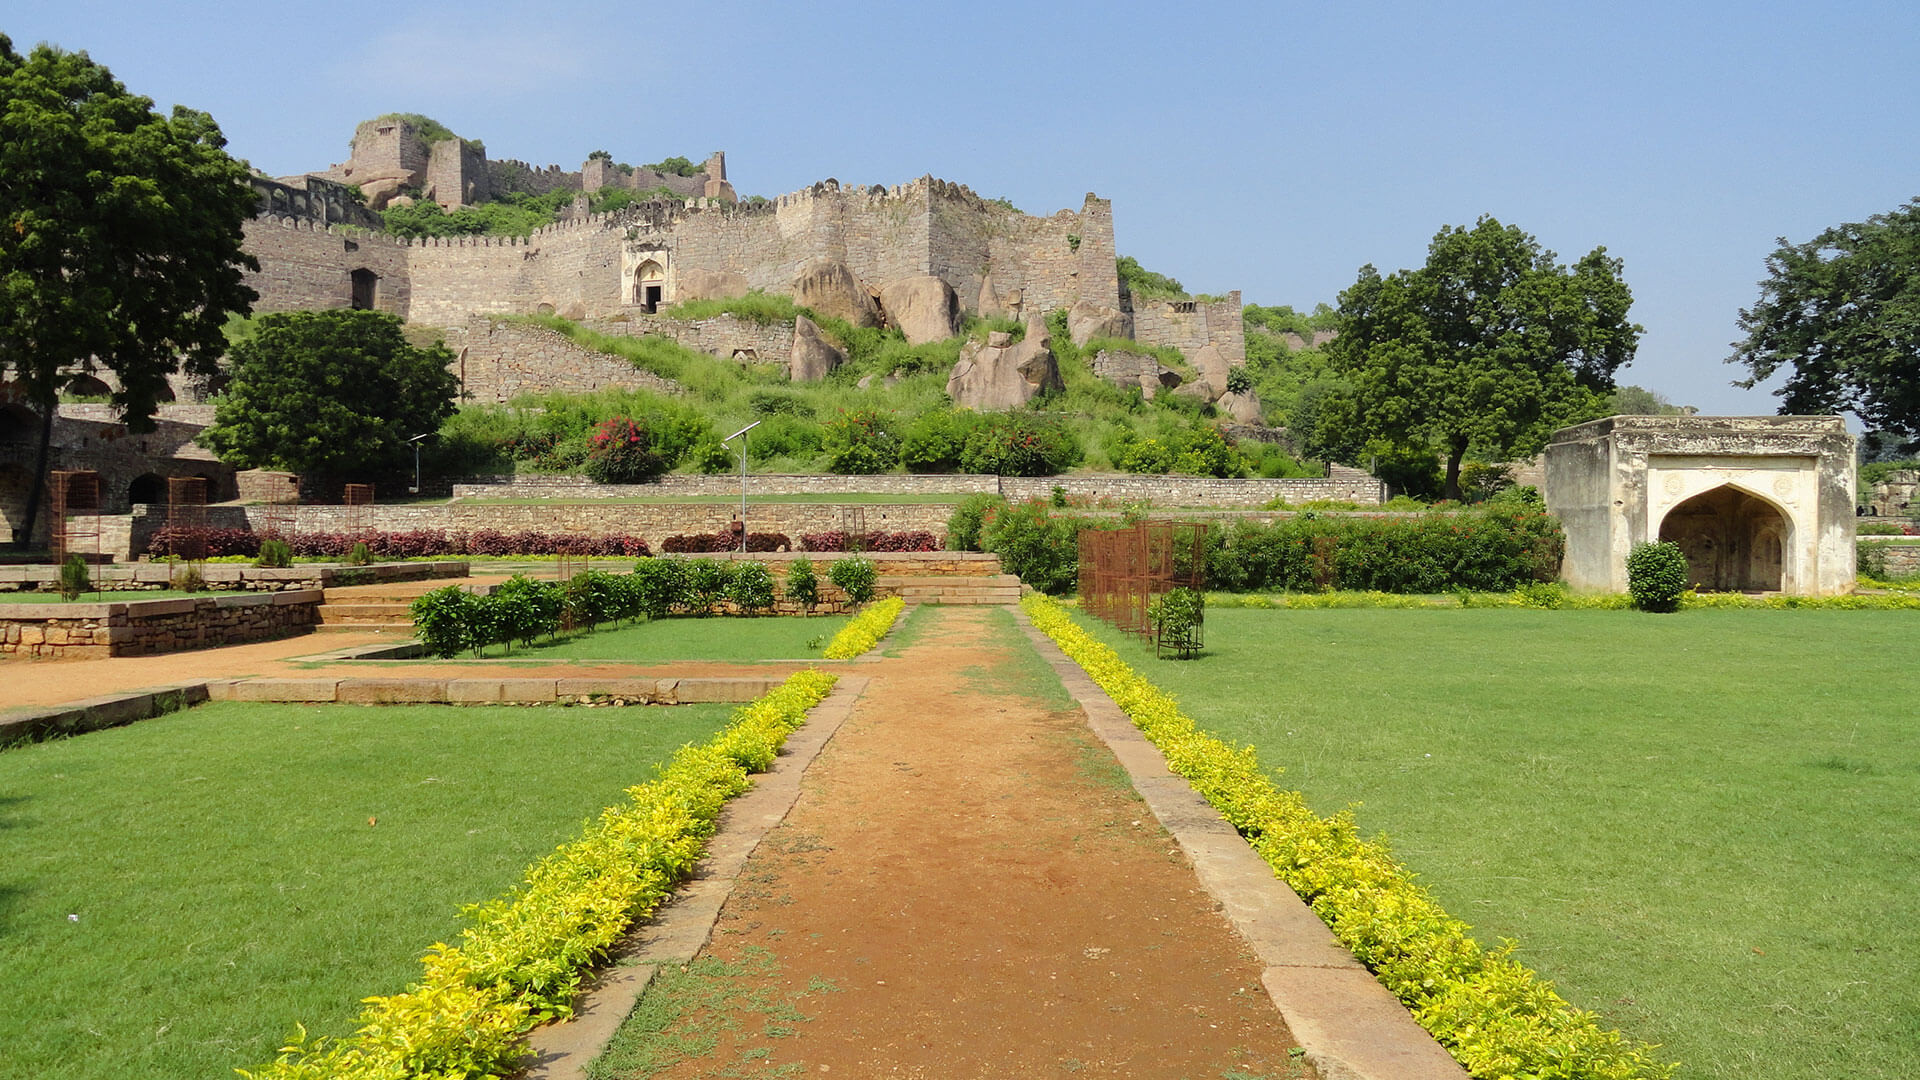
point(902, 421)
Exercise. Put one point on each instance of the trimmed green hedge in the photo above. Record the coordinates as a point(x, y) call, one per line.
point(527, 953)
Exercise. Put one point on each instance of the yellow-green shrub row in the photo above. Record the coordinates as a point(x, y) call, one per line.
point(522, 959)
point(866, 629)
point(1499, 1019)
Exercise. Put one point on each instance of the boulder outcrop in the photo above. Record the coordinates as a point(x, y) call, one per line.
point(924, 307)
point(813, 355)
point(1002, 374)
point(831, 289)
point(1129, 369)
point(1088, 320)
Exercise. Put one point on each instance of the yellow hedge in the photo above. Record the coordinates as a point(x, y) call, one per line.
point(1499, 1019)
point(522, 959)
point(865, 630)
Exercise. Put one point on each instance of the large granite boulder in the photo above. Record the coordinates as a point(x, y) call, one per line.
point(813, 355)
point(925, 308)
point(1213, 366)
point(1002, 375)
point(1087, 320)
point(831, 289)
point(697, 284)
point(1241, 408)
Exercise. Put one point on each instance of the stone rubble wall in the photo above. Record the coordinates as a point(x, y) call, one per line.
point(234, 577)
point(305, 265)
point(151, 627)
point(1901, 558)
point(655, 521)
point(724, 336)
point(1191, 325)
point(1350, 486)
point(499, 361)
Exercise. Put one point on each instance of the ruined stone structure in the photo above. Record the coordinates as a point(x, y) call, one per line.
point(1758, 503)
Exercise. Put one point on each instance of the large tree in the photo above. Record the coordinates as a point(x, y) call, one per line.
point(1487, 348)
point(1842, 311)
point(120, 234)
point(332, 393)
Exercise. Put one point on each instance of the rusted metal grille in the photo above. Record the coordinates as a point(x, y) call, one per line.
point(359, 501)
point(1123, 570)
point(76, 514)
point(279, 516)
point(187, 517)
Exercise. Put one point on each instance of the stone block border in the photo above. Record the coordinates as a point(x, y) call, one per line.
point(151, 627)
point(1351, 1027)
point(92, 714)
point(235, 577)
point(489, 690)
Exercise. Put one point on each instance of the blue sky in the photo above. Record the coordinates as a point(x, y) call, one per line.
point(1272, 148)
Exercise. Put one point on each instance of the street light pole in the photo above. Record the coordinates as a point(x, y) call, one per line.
point(742, 436)
point(416, 460)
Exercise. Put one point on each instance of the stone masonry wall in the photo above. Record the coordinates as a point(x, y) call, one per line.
point(1190, 325)
point(1119, 487)
point(1900, 558)
point(305, 265)
point(723, 336)
point(499, 361)
point(151, 627)
point(654, 521)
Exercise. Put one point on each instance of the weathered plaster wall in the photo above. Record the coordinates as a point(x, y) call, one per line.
point(1613, 483)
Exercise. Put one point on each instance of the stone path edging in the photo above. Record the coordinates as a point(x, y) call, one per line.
point(407, 690)
point(1351, 1027)
point(95, 713)
point(563, 1050)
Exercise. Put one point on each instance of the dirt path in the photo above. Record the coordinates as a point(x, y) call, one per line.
point(968, 887)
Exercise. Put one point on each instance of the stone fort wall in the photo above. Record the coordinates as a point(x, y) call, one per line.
point(576, 268)
point(1191, 325)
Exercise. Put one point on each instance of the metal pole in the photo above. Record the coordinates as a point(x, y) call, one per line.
point(416, 466)
point(743, 492)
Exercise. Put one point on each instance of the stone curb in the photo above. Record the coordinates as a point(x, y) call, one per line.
point(374, 690)
point(92, 714)
point(680, 930)
point(1351, 1027)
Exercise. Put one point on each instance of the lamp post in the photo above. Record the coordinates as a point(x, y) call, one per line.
point(416, 459)
point(742, 436)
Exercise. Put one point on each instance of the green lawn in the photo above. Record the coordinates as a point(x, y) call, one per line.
point(770, 637)
point(175, 895)
point(1706, 825)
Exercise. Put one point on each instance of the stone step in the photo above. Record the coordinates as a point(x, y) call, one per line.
point(369, 614)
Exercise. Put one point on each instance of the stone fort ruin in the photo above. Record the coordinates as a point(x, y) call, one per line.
point(1758, 503)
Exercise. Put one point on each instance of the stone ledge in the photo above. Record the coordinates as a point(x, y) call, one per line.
point(92, 714)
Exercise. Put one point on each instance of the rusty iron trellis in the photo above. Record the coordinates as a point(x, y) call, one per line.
point(187, 517)
point(1123, 570)
point(359, 501)
point(279, 515)
point(76, 514)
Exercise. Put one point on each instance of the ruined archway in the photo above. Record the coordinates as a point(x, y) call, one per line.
point(365, 289)
point(1734, 540)
point(89, 387)
point(649, 286)
point(147, 488)
point(16, 483)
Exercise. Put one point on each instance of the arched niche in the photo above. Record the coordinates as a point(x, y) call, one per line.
point(1734, 540)
point(649, 286)
point(364, 289)
point(15, 484)
point(147, 488)
point(88, 386)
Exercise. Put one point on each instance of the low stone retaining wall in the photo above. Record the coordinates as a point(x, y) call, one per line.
point(491, 690)
point(652, 521)
point(1899, 556)
point(233, 577)
point(1120, 487)
point(148, 627)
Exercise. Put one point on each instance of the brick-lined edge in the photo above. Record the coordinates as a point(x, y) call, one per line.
point(1351, 1027)
point(676, 935)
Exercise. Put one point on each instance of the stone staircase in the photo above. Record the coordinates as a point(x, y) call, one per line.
point(989, 589)
point(376, 607)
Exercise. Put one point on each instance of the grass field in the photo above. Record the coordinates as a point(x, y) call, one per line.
point(1706, 826)
point(784, 637)
point(177, 894)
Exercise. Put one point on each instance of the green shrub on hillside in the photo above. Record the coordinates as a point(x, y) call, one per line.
point(968, 519)
point(861, 442)
point(1036, 543)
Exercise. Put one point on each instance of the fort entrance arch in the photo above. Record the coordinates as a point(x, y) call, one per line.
point(1758, 503)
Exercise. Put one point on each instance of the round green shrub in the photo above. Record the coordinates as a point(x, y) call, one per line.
point(802, 587)
point(751, 588)
point(1656, 575)
point(621, 451)
point(855, 576)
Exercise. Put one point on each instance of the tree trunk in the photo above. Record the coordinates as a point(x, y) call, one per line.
point(23, 540)
point(1455, 451)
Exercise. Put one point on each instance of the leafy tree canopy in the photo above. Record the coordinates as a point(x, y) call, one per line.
point(1490, 346)
point(1842, 313)
point(120, 234)
point(676, 166)
point(430, 130)
point(330, 393)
